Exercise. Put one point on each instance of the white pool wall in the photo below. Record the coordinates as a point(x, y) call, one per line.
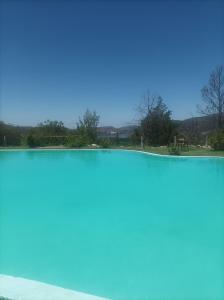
point(16, 288)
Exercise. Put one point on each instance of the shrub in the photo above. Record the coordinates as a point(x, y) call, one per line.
point(104, 143)
point(77, 141)
point(136, 137)
point(217, 140)
point(31, 141)
point(173, 150)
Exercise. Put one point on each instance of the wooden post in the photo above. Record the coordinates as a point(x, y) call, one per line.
point(206, 140)
point(175, 141)
point(142, 143)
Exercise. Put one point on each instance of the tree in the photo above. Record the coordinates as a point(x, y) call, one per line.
point(10, 135)
point(52, 128)
point(190, 129)
point(136, 136)
point(87, 126)
point(217, 140)
point(48, 133)
point(156, 124)
point(31, 141)
point(213, 96)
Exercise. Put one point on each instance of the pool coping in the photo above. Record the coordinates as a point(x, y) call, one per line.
point(110, 149)
point(18, 288)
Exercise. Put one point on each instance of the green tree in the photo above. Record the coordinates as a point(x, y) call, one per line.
point(156, 124)
point(87, 127)
point(31, 141)
point(52, 128)
point(10, 135)
point(136, 136)
point(48, 133)
point(217, 140)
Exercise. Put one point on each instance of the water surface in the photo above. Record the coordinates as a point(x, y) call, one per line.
point(117, 224)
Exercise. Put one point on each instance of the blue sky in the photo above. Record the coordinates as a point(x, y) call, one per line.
point(60, 57)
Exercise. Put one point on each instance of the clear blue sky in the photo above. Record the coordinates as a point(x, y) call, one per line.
point(60, 57)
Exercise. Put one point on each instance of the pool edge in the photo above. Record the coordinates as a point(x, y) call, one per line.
point(18, 288)
point(111, 149)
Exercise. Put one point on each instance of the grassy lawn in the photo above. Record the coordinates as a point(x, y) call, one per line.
point(193, 151)
point(163, 150)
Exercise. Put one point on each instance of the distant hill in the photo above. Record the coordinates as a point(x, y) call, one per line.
point(21, 129)
point(195, 129)
point(203, 125)
point(196, 126)
point(112, 132)
point(13, 133)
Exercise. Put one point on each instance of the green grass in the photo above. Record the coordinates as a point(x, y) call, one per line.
point(193, 151)
point(163, 150)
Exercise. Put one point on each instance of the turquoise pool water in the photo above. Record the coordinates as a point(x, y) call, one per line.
point(118, 224)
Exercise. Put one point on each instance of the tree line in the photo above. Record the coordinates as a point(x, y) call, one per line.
point(156, 126)
point(52, 133)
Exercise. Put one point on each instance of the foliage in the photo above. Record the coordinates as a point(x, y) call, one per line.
point(9, 135)
point(190, 130)
point(48, 133)
point(31, 141)
point(213, 96)
point(51, 128)
point(54, 133)
point(192, 151)
point(174, 150)
point(156, 124)
point(136, 137)
point(217, 140)
point(87, 127)
point(77, 140)
point(117, 139)
point(105, 143)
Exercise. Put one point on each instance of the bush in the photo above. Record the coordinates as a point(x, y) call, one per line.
point(136, 137)
point(9, 135)
point(34, 140)
point(217, 140)
point(77, 141)
point(31, 141)
point(104, 143)
point(174, 150)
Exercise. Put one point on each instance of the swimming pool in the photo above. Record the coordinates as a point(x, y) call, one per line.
point(118, 224)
